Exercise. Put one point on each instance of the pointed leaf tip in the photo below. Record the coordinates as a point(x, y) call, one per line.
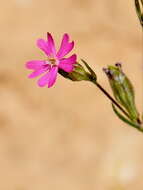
point(89, 69)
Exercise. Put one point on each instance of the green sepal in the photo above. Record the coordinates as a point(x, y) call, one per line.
point(78, 73)
point(94, 76)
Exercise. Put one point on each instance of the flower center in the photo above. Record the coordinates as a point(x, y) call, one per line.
point(52, 61)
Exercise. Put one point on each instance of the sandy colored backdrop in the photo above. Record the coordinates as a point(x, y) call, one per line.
point(67, 137)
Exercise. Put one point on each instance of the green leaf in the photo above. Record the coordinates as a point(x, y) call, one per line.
point(126, 120)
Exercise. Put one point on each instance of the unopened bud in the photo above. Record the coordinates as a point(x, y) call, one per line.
point(122, 89)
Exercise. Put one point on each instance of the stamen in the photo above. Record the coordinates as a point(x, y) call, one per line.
point(52, 61)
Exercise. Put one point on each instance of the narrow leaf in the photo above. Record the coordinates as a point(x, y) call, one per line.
point(125, 119)
point(138, 5)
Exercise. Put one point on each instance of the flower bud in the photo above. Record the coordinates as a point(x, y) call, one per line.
point(122, 89)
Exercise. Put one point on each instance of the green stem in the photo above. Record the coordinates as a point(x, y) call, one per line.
point(139, 8)
point(111, 99)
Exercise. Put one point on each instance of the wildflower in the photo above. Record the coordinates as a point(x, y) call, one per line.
point(54, 62)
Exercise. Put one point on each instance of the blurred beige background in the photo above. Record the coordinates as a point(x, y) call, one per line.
point(67, 137)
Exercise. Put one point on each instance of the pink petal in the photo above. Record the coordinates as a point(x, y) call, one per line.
point(35, 64)
point(43, 45)
point(52, 76)
point(64, 42)
point(43, 80)
point(49, 78)
point(36, 73)
point(66, 67)
point(71, 59)
point(65, 47)
point(51, 44)
point(67, 63)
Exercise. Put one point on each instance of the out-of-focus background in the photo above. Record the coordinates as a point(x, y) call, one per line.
point(67, 137)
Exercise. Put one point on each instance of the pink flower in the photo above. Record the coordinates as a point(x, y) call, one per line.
point(55, 60)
